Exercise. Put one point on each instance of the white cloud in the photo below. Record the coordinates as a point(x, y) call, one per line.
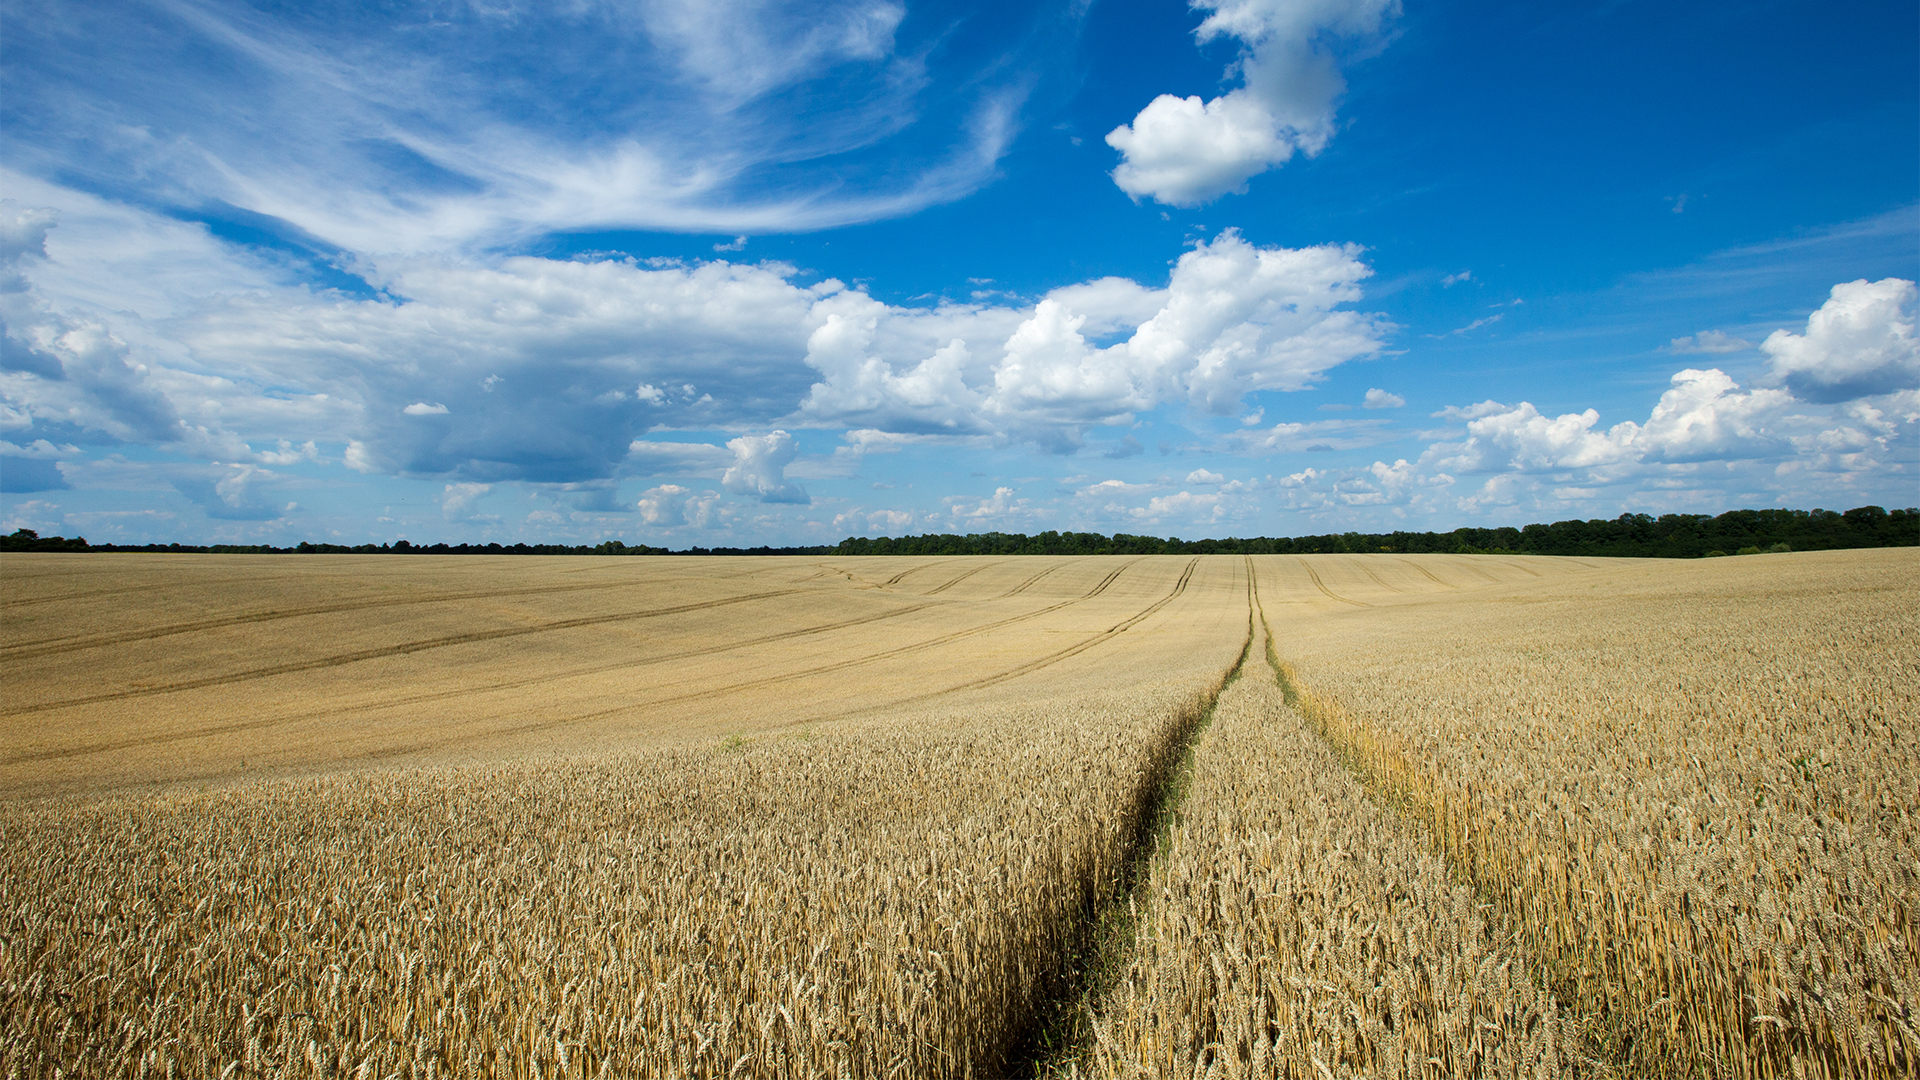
point(1705, 433)
point(665, 505)
point(881, 521)
point(1110, 304)
point(1108, 489)
point(1471, 412)
point(1182, 504)
point(289, 454)
point(1204, 476)
point(1002, 507)
point(1861, 342)
point(1523, 439)
point(1709, 341)
point(1472, 326)
point(1380, 399)
point(229, 492)
point(1290, 437)
point(358, 459)
point(759, 464)
point(596, 353)
point(652, 458)
point(1185, 151)
point(1451, 280)
point(38, 449)
point(1705, 416)
point(456, 500)
point(1233, 319)
point(1702, 416)
point(375, 131)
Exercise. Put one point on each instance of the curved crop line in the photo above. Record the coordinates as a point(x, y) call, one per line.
point(1430, 575)
point(401, 649)
point(548, 724)
point(896, 579)
point(208, 731)
point(1030, 582)
point(1520, 566)
point(961, 578)
point(1075, 649)
point(901, 650)
point(1322, 586)
point(51, 646)
point(1367, 570)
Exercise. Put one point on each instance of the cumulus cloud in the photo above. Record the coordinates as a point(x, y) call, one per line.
point(1704, 426)
point(1186, 151)
point(1233, 319)
point(289, 454)
point(759, 468)
point(457, 500)
point(1183, 504)
point(1703, 415)
point(1002, 507)
point(1860, 343)
point(232, 492)
point(665, 505)
point(547, 371)
point(1709, 341)
point(1236, 319)
point(71, 370)
point(1380, 399)
point(880, 521)
point(1205, 476)
point(669, 506)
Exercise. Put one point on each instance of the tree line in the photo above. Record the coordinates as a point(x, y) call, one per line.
point(1669, 536)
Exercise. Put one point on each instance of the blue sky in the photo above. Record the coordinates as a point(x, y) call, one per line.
point(736, 273)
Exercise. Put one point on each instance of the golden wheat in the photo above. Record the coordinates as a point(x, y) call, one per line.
point(381, 817)
point(124, 671)
point(1296, 929)
point(885, 895)
point(878, 902)
point(1693, 786)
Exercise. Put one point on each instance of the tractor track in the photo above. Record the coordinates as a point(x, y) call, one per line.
point(897, 578)
point(225, 729)
point(1430, 575)
point(961, 578)
point(401, 649)
point(1030, 582)
point(1367, 570)
point(1322, 586)
point(600, 714)
point(53, 646)
point(1074, 650)
point(464, 691)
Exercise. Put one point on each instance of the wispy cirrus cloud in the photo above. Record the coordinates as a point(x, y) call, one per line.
point(423, 127)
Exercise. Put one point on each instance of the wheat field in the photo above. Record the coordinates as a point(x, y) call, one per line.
point(1354, 816)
